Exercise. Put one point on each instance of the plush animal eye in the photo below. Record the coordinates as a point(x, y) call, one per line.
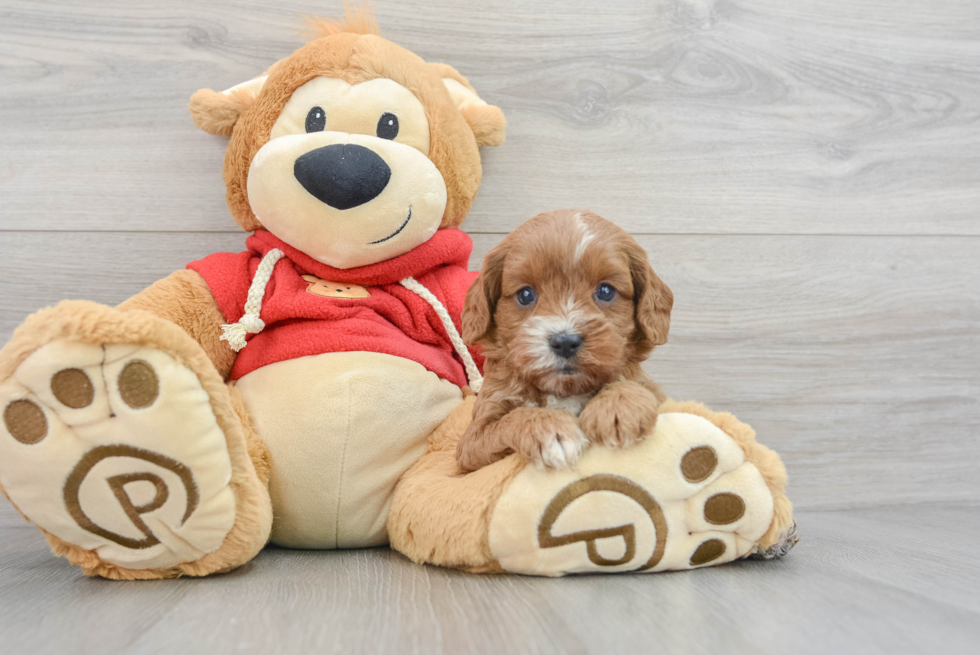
point(388, 126)
point(605, 293)
point(316, 120)
point(526, 296)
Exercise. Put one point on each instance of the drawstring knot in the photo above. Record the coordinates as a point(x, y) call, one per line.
point(250, 323)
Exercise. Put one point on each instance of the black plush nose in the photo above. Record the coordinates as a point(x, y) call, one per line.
point(343, 175)
point(565, 345)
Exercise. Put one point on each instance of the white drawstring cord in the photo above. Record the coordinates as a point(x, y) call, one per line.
point(250, 323)
point(472, 372)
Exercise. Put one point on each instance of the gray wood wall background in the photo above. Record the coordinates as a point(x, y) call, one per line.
point(805, 176)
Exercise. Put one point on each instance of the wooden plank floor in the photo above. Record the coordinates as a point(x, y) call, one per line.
point(895, 580)
point(805, 176)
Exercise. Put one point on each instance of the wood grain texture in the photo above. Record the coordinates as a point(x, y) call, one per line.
point(897, 580)
point(856, 358)
point(671, 116)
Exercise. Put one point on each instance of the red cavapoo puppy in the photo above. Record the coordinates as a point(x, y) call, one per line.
point(565, 308)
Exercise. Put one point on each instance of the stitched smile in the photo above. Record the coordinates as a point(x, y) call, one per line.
point(395, 233)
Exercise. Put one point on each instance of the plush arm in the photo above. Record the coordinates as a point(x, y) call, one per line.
point(184, 298)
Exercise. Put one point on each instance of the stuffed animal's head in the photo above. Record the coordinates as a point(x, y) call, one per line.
point(352, 150)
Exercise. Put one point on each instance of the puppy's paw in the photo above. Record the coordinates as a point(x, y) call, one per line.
point(620, 415)
point(551, 439)
point(561, 451)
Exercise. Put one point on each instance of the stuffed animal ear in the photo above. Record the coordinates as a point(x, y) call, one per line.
point(482, 297)
point(652, 300)
point(216, 113)
point(487, 121)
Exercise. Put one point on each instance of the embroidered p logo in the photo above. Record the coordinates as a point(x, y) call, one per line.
point(81, 489)
point(627, 532)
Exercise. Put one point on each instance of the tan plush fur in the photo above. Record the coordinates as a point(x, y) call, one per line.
point(488, 124)
point(357, 20)
point(487, 121)
point(257, 451)
point(88, 322)
point(441, 517)
point(184, 298)
point(562, 258)
point(216, 113)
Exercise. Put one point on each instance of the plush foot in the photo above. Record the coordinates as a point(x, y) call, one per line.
point(115, 449)
point(683, 497)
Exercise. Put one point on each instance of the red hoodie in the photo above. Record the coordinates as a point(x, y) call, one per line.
point(309, 317)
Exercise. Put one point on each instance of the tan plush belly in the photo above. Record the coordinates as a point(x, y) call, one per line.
point(341, 428)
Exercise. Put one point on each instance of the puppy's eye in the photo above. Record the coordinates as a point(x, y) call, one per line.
point(605, 293)
point(387, 126)
point(526, 297)
point(316, 120)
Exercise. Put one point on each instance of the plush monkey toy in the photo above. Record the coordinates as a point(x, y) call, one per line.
point(310, 390)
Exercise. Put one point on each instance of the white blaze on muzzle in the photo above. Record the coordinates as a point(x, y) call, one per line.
point(538, 330)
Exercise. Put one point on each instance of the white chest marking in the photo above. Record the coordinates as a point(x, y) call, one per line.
point(571, 404)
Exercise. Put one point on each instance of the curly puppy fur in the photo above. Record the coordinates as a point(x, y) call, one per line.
point(542, 398)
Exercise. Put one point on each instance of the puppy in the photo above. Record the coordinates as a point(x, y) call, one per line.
point(565, 308)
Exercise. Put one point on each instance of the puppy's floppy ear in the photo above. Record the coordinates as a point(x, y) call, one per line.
point(486, 121)
point(216, 113)
point(482, 297)
point(652, 300)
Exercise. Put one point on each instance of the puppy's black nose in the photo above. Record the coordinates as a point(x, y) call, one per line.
point(343, 175)
point(565, 345)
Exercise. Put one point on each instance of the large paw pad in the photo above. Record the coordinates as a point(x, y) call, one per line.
point(682, 498)
point(115, 449)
